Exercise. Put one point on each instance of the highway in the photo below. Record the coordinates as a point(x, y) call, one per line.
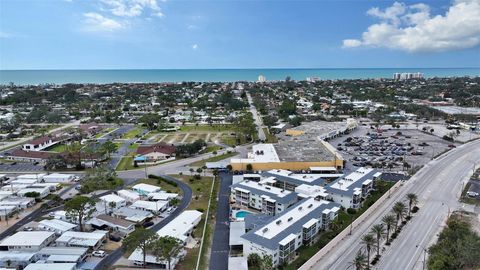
point(438, 186)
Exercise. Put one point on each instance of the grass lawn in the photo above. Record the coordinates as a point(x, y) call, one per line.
point(104, 131)
point(210, 128)
point(343, 221)
point(59, 148)
point(211, 148)
point(200, 163)
point(133, 146)
point(201, 194)
point(126, 163)
point(133, 133)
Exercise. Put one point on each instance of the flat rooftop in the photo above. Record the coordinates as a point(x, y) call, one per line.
point(302, 150)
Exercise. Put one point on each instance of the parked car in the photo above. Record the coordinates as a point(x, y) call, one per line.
point(115, 238)
point(99, 253)
point(451, 146)
point(148, 224)
point(472, 194)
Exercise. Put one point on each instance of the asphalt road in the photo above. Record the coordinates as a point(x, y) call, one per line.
point(438, 186)
point(257, 118)
point(108, 261)
point(220, 245)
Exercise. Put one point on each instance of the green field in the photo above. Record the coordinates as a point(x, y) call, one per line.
point(200, 163)
point(133, 133)
point(206, 128)
point(201, 194)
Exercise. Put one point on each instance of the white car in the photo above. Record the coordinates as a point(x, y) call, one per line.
point(472, 194)
point(99, 253)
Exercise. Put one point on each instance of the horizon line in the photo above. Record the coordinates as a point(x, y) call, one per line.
point(256, 68)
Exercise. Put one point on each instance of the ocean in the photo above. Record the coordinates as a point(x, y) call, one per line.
point(33, 77)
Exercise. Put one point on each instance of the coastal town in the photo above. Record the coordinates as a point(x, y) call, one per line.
point(234, 175)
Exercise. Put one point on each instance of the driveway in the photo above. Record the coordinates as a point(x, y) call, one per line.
point(221, 235)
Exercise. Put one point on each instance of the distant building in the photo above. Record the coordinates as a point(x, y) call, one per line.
point(39, 144)
point(154, 153)
point(261, 79)
point(407, 76)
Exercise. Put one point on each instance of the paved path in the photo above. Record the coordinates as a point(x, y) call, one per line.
point(438, 186)
point(257, 118)
point(220, 245)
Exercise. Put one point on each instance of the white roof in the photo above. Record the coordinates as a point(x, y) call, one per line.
point(237, 263)
point(310, 223)
point(58, 224)
point(82, 238)
point(261, 153)
point(63, 251)
point(146, 187)
point(347, 181)
point(50, 266)
point(38, 176)
point(152, 206)
point(181, 225)
point(112, 198)
point(324, 169)
point(15, 256)
point(271, 229)
point(237, 229)
point(279, 192)
point(34, 238)
point(59, 175)
point(287, 239)
point(163, 196)
point(128, 193)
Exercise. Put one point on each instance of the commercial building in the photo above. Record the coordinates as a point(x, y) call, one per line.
point(154, 153)
point(322, 130)
point(281, 235)
point(289, 155)
point(38, 144)
point(27, 241)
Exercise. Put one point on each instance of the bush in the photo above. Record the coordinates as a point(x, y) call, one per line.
point(200, 209)
point(415, 209)
point(159, 179)
point(351, 211)
point(394, 235)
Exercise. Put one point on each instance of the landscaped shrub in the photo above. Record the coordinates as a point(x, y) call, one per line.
point(415, 209)
point(351, 211)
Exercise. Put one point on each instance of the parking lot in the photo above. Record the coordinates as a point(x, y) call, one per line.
point(19, 167)
point(388, 149)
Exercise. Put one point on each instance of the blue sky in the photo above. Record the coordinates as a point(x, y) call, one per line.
point(104, 34)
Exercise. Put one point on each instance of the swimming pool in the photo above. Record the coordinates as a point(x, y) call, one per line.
point(242, 214)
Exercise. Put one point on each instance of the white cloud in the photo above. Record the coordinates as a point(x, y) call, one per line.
point(132, 8)
point(412, 28)
point(98, 23)
point(195, 46)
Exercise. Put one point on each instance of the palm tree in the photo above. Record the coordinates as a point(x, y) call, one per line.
point(412, 200)
point(109, 147)
point(360, 261)
point(399, 209)
point(369, 241)
point(379, 231)
point(389, 221)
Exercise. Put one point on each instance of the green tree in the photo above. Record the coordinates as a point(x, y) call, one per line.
point(389, 221)
point(140, 238)
point(399, 209)
point(369, 241)
point(360, 261)
point(109, 147)
point(166, 248)
point(379, 231)
point(249, 167)
point(412, 201)
point(253, 260)
point(150, 120)
point(80, 208)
